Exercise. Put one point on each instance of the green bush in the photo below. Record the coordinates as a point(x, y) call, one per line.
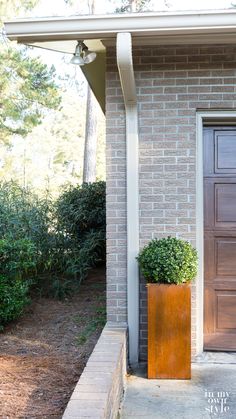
point(81, 215)
point(168, 261)
point(68, 235)
point(86, 255)
point(18, 258)
point(13, 299)
point(24, 216)
point(18, 261)
point(83, 208)
point(41, 240)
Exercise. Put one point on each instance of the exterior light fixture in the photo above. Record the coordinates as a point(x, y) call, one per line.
point(89, 56)
point(82, 55)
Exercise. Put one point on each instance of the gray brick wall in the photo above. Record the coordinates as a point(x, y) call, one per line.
point(172, 83)
point(116, 196)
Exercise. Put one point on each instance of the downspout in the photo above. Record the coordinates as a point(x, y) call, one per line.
point(126, 72)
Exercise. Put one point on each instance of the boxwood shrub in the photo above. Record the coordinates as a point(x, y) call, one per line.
point(168, 261)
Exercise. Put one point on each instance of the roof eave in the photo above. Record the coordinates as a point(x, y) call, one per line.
point(107, 26)
point(204, 27)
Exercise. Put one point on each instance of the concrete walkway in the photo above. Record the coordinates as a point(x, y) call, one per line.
point(211, 393)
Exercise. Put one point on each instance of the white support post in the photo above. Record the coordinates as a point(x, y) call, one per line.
point(125, 66)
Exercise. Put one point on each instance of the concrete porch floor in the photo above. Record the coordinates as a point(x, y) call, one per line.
point(191, 399)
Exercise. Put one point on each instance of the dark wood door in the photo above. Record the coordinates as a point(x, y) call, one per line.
point(220, 238)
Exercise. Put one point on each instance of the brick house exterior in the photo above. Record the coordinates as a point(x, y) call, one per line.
point(182, 76)
point(173, 83)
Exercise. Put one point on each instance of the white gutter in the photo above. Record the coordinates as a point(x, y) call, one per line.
point(108, 26)
point(126, 72)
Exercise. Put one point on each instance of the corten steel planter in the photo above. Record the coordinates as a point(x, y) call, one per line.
point(169, 331)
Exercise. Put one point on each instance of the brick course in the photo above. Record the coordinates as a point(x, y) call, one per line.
point(173, 82)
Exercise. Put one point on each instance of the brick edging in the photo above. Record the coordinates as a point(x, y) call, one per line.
point(100, 387)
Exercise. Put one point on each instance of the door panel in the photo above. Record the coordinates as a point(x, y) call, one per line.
point(225, 152)
point(226, 304)
point(220, 238)
point(225, 257)
point(225, 203)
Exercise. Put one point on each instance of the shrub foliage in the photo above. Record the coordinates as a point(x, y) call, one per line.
point(24, 216)
point(81, 215)
point(13, 299)
point(82, 209)
point(43, 238)
point(168, 261)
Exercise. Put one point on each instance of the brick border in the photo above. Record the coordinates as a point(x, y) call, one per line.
point(99, 390)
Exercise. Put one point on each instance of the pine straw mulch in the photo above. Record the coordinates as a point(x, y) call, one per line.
point(42, 355)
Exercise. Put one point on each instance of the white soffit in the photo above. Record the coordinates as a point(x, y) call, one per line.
point(94, 72)
point(68, 47)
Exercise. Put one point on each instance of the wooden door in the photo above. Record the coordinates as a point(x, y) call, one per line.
point(220, 238)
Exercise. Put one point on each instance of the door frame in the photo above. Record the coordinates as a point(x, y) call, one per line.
point(223, 117)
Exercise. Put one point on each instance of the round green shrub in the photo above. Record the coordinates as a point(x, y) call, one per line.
point(13, 299)
point(168, 261)
point(82, 208)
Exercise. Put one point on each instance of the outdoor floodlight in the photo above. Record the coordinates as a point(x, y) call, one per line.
point(82, 55)
point(89, 56)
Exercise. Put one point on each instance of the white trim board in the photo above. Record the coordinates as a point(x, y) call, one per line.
point(202, 118)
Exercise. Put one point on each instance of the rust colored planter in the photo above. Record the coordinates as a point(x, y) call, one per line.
point(169, 331)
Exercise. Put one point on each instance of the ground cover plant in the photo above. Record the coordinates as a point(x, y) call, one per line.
point(48, 246)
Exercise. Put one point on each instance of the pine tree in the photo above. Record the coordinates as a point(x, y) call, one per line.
point(27, 86)
point(10, 8)
point(28, 89)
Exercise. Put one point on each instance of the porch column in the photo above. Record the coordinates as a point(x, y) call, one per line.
point(126, 72)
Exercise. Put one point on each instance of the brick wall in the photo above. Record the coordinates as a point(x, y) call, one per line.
point(172, 83)
point(100, 388)
point(116, 196)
